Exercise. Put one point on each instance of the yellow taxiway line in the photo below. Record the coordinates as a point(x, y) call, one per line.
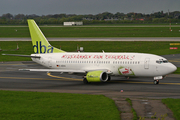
point(174, 60)
point(148, 82)
point(49, 74)
point(73, 79)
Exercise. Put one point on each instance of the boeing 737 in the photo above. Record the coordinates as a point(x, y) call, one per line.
point(96, 66)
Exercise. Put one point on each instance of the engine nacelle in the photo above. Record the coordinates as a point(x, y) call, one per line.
point(97, 76)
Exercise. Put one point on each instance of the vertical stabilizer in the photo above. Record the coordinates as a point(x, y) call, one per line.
point(39, 41)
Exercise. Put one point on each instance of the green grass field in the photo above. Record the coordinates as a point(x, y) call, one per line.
point(173, 104)
point(63, 106)
point(93, 32)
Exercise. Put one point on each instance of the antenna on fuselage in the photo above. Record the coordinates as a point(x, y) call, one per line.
point(103, 51)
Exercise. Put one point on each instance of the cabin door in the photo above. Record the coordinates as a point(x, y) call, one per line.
point(146, 63)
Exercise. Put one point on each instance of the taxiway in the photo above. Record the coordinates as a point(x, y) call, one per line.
point(13, 79)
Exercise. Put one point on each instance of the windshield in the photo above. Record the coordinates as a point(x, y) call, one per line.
point(161, 61)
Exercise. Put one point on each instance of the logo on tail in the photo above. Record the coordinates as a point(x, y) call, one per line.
point(39, 48)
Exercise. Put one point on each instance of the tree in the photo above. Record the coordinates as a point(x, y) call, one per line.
point(19, 16)
point(7, 16)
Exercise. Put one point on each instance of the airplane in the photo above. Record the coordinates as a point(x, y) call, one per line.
point(96, 66)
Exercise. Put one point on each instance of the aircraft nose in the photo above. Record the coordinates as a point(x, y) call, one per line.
point(172, 68)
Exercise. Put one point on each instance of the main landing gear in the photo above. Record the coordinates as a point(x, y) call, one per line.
point(85, 81)
point(156, 82)
point(109, 78)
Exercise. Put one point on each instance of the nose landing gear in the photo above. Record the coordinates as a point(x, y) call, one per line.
point(156, 82)
point(156, 79)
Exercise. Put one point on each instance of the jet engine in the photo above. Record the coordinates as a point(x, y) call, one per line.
point(97, 76)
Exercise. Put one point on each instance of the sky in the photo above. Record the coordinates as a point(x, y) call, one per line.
point(82, 7)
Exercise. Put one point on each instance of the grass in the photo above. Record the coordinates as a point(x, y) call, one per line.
point(177, 71)
point(93, 32)
point(133, 24)
point(132, 109)
point(25, 47)
point(173, 104)
point(64, 106)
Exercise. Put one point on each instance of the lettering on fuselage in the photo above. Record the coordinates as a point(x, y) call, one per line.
point(116, 57)
point(39, 48)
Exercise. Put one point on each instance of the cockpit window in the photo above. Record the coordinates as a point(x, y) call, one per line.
point(161, 61)
point(157, 61)
point(165, 61)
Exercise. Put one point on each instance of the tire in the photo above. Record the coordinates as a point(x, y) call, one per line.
point(85, 81)
point(109, 78)
point(156, 82)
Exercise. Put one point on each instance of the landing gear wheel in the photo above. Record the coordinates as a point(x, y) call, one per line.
point(85, 81)
point(156, 82)
point(109, 78)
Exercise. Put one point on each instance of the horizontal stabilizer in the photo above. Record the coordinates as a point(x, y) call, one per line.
point(22, 55)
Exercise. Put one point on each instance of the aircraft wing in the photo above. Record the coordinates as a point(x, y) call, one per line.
point(54, 70)
point(66, 71)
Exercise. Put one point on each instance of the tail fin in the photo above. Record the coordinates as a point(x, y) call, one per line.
point(39, 41)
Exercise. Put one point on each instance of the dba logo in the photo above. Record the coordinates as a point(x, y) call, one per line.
point(39, 48)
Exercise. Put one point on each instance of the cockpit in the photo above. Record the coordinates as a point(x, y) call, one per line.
point(160, 61)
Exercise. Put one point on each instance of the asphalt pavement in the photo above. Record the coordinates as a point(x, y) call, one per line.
point(13, 79)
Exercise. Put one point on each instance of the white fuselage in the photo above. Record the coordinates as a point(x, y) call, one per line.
point(125, 64)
